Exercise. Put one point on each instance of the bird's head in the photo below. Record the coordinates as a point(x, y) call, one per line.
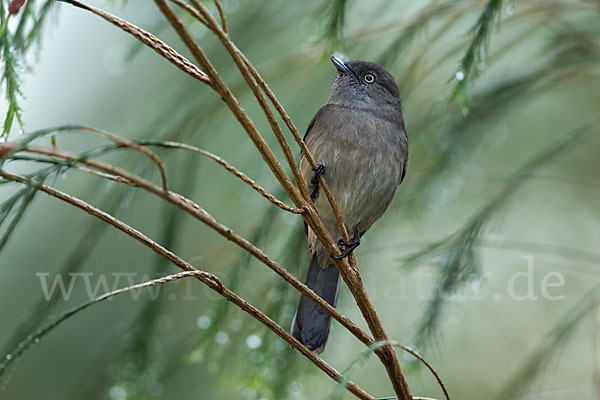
point(363, 84)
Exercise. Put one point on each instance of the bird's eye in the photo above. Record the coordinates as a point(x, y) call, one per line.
point(369, 78)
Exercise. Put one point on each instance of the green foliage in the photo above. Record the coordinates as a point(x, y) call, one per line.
point(333, 32)
point(456, 257)
point(14, 46)
point(475, 54)
point(394, 50)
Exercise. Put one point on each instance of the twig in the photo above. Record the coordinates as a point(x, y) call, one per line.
point(201, 14)
point(414, 398)
point(39, 333)
point(433, 371)
point(208, 279)
point(131, 144)
point(359, 361)
point(148, 39)
point(189, 9)
point(232, 102)
point(221, 15)
point(228, 167)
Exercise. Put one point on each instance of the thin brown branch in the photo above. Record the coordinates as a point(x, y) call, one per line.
point(133, 145)
point(203, 14)
point(148, 39)
point(228, 167)
point(154, 282)
point(429, 367)
point(182, 4)
point(110, 177)
point(208, 279)
point(232, 102)
point(222, 16)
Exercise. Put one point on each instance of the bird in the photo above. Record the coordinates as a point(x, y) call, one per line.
point(358, 140)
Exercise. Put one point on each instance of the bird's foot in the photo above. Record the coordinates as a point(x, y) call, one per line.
point(350, 245)
point(314, 181)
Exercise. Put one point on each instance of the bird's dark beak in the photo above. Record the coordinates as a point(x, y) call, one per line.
point(341, 66)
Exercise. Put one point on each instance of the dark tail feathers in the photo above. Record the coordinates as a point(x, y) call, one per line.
point(311, 323)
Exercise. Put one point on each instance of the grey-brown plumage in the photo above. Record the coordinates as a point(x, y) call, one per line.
point(360, 139)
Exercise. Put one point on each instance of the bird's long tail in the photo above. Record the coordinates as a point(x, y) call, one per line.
point(311, 323)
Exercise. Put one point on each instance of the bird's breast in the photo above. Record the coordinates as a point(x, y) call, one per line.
point(363, 156)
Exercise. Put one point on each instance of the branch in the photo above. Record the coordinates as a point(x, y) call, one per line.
point(253, 85)
point(209, 280)
point(221, 15)
point(363, 357)
point(429, 367)
point(148, 39)
point(233, 104)
point(131, 144)
point(39, 333)
point(228, 167)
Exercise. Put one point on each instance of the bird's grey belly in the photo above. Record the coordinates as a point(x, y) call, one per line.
point(362, 179)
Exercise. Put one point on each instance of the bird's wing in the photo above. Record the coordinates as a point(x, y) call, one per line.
point(312, 122)
point(404, 163)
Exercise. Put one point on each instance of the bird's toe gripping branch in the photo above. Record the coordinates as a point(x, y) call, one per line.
point(314, 181)
point(350, 245)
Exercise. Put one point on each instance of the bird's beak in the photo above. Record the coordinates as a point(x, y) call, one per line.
point(341, 66)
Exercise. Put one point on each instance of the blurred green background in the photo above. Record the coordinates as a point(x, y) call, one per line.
point(499, 202)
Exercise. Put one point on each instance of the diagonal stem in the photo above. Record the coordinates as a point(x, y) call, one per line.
point(148, 39)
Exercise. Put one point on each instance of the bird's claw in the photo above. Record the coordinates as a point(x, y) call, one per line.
point(314, 181)
point(349, 246)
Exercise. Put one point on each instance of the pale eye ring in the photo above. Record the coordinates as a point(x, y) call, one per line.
point(369, 78)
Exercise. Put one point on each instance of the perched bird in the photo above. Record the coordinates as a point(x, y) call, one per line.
point(360, 144)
